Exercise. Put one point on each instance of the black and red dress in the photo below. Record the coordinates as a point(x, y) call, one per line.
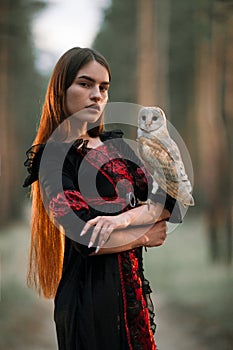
point(103, 301)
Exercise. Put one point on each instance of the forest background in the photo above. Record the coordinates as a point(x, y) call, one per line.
point(175, 54)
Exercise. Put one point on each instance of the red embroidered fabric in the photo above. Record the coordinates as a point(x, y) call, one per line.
point(65, 201)
point(119, 171)
point(142, 178)
point(136, 314)
point(109, 162)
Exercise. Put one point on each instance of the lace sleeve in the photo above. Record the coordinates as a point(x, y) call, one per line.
point(32, 163)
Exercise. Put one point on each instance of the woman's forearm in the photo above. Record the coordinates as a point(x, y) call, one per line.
point(122, 240)
point(145, 216)
point(106, 225)
point(136, 236)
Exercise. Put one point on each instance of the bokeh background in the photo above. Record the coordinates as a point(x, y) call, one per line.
point(175, 54)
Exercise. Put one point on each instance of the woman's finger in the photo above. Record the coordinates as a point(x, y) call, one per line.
point(104, 235)
point(156, 235)
point(88, 225)
point(95, 232)
point(85, 229)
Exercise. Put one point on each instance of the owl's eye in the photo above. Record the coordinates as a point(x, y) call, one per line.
point(143, 117)
point(154, 118)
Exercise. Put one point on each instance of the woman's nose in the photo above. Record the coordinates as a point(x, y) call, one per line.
point(95, 94)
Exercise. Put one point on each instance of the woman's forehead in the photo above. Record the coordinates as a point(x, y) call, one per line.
point(95, 71)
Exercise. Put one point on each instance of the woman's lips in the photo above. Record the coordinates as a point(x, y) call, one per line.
point(95, 107)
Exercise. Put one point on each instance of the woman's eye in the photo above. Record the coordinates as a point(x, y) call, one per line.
point(103, 88)
point(84, 84)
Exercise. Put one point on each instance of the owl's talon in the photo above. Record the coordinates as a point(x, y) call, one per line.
point(148, 204)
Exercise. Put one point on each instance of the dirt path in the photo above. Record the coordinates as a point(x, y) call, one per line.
point(26, 322)
point(174, 332)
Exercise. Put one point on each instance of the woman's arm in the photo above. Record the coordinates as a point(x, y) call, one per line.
point(105, 225)
point(133, 237)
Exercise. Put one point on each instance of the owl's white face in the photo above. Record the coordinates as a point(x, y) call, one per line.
point(151, 119)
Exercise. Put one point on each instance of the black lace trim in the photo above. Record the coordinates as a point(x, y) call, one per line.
point(147, 293)
point(113, 134)
point(32, 163)
point(139, 311)
point(34, 154)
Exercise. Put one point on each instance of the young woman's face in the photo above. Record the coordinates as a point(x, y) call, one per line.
point(88, 92)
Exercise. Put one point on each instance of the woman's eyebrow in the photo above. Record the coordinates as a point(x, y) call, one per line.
point(92, 80)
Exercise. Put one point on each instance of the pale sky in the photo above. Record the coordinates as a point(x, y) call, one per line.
point(63, 25)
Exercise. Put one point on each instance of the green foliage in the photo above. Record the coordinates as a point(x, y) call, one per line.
point(181, 60)
point(181, 272)
point(190, 21)
point(22, 87)
point(27, 83)
point(117, 41)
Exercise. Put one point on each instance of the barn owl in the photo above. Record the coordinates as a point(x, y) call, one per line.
point(161, 156)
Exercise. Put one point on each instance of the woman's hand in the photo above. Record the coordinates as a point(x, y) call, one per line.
point(104, 226)
point(134, 237)
point(156, 235)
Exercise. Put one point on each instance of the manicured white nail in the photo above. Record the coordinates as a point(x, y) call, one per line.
point(90, 245)
point(97, 249)
point(82, 233)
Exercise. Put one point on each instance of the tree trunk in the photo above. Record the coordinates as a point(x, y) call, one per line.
point(147, 55)
point(227, 88)
point(7, 139)
point(161, 25)
point(210, 136)
point(214, 88)
point(4, 112)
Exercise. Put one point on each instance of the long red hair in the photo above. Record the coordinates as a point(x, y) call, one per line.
point(47, 241)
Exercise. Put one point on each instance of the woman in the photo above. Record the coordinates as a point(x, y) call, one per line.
point(95, 270)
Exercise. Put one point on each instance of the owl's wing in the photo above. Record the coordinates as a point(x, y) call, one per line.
point(175, 153)
point(163, 161)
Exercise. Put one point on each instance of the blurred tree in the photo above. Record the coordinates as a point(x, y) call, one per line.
point(147, 54)
point(181, 61)
point(128, 38)
point(214, 112)
point(178, 54)
point(116, 40)
point(162, 31)
point(162, 37)
point(227, 103)
point(132, 33)
point(20, 86)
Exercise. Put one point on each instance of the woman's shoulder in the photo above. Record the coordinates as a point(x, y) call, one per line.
point(115, 137)
point(126, 147)
point(50, 151)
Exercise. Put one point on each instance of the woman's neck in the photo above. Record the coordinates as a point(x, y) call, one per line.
point(93, 142)
point(82, 130)
point(81, 133)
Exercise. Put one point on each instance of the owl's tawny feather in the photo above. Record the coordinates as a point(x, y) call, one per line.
point(161, 155)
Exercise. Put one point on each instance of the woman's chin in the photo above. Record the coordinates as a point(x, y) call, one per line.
point(89, 115)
